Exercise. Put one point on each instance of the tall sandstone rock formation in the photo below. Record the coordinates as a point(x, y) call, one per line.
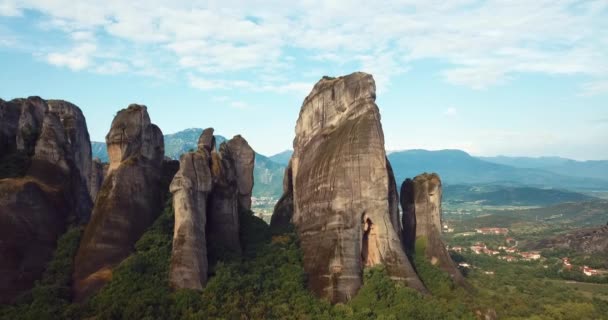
point(209, 190)
point(129, 200)
point(190, 187)
point(421, 202)
point(344, 206)
point(45, 162)
point(244, 161)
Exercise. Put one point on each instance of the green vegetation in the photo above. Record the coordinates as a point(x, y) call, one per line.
point(268, 282)
point(520, 291)
point(493, 195)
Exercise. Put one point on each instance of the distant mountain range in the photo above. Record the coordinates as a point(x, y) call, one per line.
point(458, 167)
point(455, 167)
point(585, 169)
point(282, 158)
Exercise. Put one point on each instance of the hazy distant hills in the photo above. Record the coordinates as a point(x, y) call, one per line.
point(458, 167)
point(455, 167)
point(586, 169)
point(282, 158)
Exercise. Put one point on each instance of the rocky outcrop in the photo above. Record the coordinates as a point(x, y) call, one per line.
point(209, 190)
point(343, 206)
point(207, 140)
point(421, 202)
point(45, 153)
point(244, 161)
point(76, 132)
point(129, 200)
point(591, 241)
point(190, 187)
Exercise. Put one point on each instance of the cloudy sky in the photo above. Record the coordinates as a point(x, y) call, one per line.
point(527, 78)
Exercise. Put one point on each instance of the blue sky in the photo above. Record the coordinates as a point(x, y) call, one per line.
point(524, 78)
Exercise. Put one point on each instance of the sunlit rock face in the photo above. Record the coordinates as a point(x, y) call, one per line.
point(421, 202)
point(190, 187)
point(210, 189)
point(45, 161)
point(223, 212)
point(344, 210)
point(244, 160)
point(129, 200)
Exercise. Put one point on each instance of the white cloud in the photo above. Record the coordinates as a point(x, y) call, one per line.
point(450, 112)
point(112, 67)
point(239, 105)
point(479, 44)
point(9, 8)
point(595, 88)
point(75, 59)
point(222, 84)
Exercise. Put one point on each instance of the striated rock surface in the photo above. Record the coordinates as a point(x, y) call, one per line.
point(343, 209)
point(77, 134)
point(244, 161)
point(190, 187)
point(421, 202)
point(44, 158)
point(223, 216)
point(129, 200)
point(209, 190)
point(207, 140)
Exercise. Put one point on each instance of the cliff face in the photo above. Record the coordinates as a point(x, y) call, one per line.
point(190, 187)
point(223, 218)
point(344, 210)
point(244, 160)
point(208, 190)
point(128, 202)
point(45, 158)
point(98, 172)
point(421, 202)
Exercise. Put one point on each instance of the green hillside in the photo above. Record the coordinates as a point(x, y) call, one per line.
point(492, 195)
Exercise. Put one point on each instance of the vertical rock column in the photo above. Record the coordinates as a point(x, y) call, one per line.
point(421, 202)
point(208, 191)
point(129, 201)
point(190, 187)
point(345, 212)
